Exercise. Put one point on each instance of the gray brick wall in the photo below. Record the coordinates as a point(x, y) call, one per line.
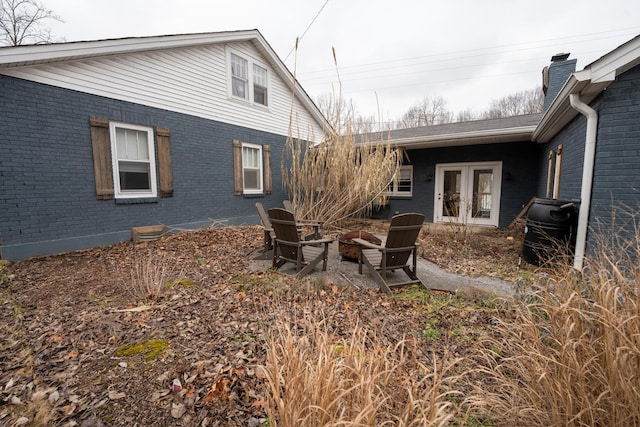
point(615, 194)
point(616, 190)
point(559, 72)
point(47, 187)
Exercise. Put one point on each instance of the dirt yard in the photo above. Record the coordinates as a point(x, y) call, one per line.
point(84, 343)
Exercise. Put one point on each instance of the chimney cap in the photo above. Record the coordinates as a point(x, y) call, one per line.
point(559, 57)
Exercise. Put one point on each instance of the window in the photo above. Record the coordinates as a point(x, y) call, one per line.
point(249, 80)
point(251, 168)
point(134, 168)
point(402, 184)
point(139, 174)
point(239, 77)
point(259, 85)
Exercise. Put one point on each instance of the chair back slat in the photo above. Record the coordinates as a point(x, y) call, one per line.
point(264, 219)
point(283, 223)
point(403, 233)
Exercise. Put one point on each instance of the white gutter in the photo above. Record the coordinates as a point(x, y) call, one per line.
point(587, 176)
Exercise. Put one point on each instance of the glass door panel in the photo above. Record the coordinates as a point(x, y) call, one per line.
point(482, 180)
point(451, 193)
point(468, 193)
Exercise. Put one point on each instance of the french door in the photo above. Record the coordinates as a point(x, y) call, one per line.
point(468, 193)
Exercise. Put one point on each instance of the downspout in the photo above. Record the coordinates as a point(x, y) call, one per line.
point(587, 176)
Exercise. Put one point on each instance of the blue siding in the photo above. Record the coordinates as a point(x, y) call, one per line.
point(516, 164)
point(47, 188)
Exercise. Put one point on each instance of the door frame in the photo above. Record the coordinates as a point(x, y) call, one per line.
point(466, 191)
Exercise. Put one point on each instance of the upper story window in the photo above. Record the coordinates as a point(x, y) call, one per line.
point(249, 80)
point(134, 164)
point(402, 183)
point(252, 168)
point(239, 77)
point(259, 85)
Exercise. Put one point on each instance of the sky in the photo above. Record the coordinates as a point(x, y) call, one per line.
point(389, 54)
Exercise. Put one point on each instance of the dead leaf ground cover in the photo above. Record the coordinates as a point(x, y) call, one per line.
point(83, 345)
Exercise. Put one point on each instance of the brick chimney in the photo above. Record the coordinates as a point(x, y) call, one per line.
point(555, 75)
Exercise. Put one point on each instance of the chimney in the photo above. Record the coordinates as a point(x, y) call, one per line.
point(554, 76)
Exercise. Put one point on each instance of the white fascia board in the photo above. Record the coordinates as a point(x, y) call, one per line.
point(560, 111)
point(616, 62)
point(491, 136)
point(34, 54)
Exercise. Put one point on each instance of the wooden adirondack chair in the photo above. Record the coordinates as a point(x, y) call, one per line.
point(315, 224)
point(289, 247)
point(395, 252)
point(269, 234)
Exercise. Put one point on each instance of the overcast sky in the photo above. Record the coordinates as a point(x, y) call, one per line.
point(391, 54)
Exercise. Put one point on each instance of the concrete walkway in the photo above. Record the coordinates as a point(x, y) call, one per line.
point(346, 272)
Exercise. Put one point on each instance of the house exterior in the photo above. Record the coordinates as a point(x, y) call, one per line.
point(99, 137)
point(584, 148)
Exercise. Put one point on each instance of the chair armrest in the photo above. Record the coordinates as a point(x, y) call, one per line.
point(368, 245)
point(286, 242)
point(316, 242)
point(309, 222)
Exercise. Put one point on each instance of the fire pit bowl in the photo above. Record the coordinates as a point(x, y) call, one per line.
point(351, 250)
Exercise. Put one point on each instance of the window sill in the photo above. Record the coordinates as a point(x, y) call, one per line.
point(136, 201)
point(249, 103)
point(253, 196)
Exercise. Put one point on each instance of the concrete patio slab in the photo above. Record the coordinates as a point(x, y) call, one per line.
point(343, 271)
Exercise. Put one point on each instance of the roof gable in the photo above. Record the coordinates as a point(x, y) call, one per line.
point(33, 62)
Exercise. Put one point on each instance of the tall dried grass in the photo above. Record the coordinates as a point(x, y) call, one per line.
point(341, 175)
point(317, 379)
point(337, 178)
point(571, 356)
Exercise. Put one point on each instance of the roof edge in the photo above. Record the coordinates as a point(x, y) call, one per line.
point(483, 137)
point(14, 56)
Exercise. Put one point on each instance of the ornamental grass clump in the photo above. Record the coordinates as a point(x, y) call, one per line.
point(571, 355)
point(338, 177)
point(341, 175)
point(317, 379)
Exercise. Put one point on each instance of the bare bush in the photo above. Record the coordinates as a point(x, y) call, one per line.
point(571, 356)
point(150, 276)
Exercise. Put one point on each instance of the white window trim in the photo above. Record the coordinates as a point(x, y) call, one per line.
point(250, 62)
point(395, 192)
point(133, 194)
point(260, 172)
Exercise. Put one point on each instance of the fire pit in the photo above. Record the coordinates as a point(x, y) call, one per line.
point(349, 249)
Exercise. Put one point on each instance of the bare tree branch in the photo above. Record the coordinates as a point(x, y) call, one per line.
point(429, 111)
point(525, 102)
point(23, 22)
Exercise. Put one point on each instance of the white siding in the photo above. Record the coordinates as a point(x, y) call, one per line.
point(186, 80)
